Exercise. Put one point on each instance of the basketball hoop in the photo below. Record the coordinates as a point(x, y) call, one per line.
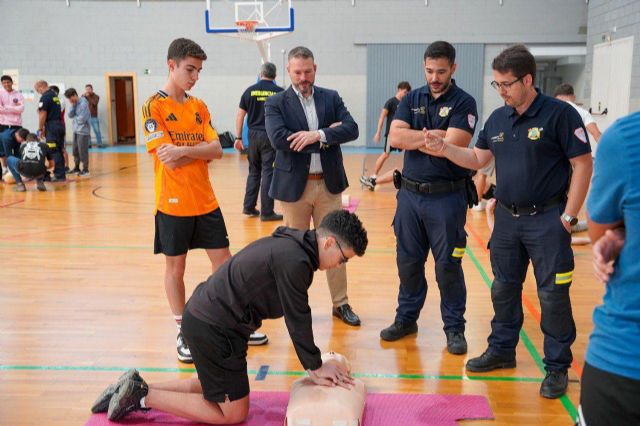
point(248, 26)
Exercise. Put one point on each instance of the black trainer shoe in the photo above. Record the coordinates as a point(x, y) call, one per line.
point(184, 354)
point(257, 339)
point(127, 399)
point(101, 405)
point(456, 343)
point(273, 217)
point(346, 314)
point(251, 212)
point(369, 182)
point(41, 187)
point(554, 384)
point(398, 330)
point(74, 171)
point(488, 362)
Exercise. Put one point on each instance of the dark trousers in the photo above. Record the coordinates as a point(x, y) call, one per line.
point(10, 146)
point(607, 399)
point(55, 132)
point(433, 222)
point(261, 157)
point(542, 239)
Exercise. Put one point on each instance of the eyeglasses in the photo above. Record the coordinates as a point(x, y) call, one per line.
point(344, 259)
point(507, 86)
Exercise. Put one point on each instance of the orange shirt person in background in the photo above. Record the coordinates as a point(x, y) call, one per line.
point(179, 135)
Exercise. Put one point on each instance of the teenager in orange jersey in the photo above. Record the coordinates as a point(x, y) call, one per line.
point(179, 135)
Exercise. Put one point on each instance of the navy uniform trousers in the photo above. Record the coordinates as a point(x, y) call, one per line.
point(543, 239)
point(433, 222)
point(55, 133)
point(261, 158)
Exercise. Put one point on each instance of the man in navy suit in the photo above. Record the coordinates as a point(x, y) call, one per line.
point(306, 125)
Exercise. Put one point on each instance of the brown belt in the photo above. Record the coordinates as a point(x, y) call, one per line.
point(314, 176)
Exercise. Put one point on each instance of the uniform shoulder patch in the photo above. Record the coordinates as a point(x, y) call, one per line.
point(580, 134)
point(471, 119)
point(150, 125)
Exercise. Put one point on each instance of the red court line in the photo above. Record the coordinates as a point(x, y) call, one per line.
point(525, 300)
point(11, 203)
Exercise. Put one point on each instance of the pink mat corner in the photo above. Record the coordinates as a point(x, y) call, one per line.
point(353, 205)
point(268, 409)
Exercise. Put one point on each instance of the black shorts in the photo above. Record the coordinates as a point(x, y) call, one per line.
point(220, 358)
point(608, 399)
point(176, 235)
point(387, 146)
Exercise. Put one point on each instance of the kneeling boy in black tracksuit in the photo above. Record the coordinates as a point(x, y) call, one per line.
point(269, 278)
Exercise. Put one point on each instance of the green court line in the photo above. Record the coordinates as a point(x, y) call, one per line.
point(566, 402)
point(270, 373)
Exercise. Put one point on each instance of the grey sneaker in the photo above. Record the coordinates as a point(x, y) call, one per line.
point(84, 173)
point(184, 354)
point(40, 186)
point(127, 399)
point(101, 404)
point(20, 187)
point(369, 182)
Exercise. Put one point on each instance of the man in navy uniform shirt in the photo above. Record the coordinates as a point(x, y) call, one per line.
point(432, 200)
point(51, 127)
point(543, 167)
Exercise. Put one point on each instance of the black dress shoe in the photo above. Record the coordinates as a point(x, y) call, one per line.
point(456, 343)
point(346, 314)
point(398, 330)
point(554, 384)
point(488, 362)
point(273, 217)
point(251, 212)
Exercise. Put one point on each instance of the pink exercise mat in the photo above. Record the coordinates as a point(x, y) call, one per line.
point(353, 205)
point(382, 409)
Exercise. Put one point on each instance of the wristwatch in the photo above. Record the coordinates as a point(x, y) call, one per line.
point(571, 220)
point(238, 139)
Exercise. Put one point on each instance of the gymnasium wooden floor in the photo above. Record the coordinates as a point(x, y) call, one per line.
point(82, 299)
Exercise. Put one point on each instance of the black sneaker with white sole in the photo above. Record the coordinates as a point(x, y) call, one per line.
point(369, 182)
point(184, 354)
point(101, 404)
point(257, 339)
point(127, 398)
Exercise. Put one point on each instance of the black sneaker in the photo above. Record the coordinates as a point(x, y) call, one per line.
point(74, 171)
point(554, 384)
point(84, 173)
point(41, 187)
point(101, 404)
point(251, 212)
point(488, 362)
point(398, 330)
point(456, 343)
point(369, 182)
point(273, 217)
point(257, 339)
point(490, 192)
point(127, 398)
point(184, 354)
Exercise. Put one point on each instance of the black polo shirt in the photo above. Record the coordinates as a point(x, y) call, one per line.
point(391, 106)
point(50, 103)
point(532, 150)
point(456, 108)
point(253, 99)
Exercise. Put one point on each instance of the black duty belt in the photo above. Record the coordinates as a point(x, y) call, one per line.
point(432, 187)
point(533, 209)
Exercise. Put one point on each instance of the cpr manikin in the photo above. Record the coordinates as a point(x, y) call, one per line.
point(315, 405)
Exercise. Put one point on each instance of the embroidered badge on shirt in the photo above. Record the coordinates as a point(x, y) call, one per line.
point(499, 138)
point(444, 111)
point(153, 136)
point(472, 120)
point(579, 132)
point(422, 110)
point(150, 125)
point(534, 133)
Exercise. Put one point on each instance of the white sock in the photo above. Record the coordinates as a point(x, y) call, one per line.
point(178, 319)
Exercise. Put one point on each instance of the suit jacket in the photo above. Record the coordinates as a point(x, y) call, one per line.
point(284, 116)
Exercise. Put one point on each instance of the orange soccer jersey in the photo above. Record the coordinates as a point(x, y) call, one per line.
point(186, 190)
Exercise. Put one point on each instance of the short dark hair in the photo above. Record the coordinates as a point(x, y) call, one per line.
point(268, 70)
point(565, 89)
point(516, 59)
point(23, 133)
point(6, 77)
point(70, 92)
point(182, 48)
point(55, 89)
point(31, 137)
point(300, 52)
point(441, 49)
point(88, 85)
point(347, 228)
point(404, 85)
